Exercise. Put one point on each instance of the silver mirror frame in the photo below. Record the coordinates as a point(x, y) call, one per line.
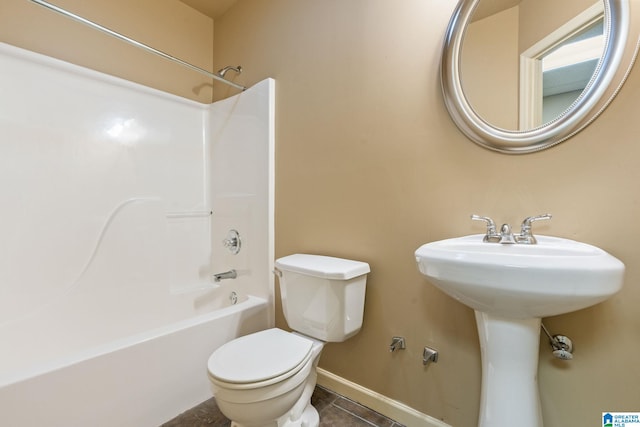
point(572, 121)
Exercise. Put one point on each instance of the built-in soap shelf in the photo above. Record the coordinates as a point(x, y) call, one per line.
point(189, 214)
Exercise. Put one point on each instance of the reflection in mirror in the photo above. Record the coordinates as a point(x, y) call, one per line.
point(489, 67)
point(556, 69)
point(567, 69)
point(492, 66)
point(520, 87)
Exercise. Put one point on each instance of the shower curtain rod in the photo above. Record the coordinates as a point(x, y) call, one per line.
point(135, 42)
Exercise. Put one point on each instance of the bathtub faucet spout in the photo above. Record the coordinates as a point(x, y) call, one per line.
point(231, 274)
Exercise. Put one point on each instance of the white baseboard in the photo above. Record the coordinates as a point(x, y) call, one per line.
point(376, 401)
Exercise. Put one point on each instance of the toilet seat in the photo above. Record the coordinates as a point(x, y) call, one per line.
point(259, 359)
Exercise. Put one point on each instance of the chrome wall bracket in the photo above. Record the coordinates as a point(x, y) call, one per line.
point(429, 355)
point(397, 343)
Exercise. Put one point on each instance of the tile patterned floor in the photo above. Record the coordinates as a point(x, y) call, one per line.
point(334, 410)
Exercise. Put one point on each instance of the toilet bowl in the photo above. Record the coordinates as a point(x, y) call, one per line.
point(258, 378)
point(266, 379)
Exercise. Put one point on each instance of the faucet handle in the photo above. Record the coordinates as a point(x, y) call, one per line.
point(491, 227)
point(525, 231)
point(232, 241)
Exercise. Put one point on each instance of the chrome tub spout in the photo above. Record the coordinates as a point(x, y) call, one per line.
point(231, 274)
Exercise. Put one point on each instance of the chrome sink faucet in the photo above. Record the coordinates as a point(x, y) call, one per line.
point(506, 236)
point(492, 235)
point(526, 236)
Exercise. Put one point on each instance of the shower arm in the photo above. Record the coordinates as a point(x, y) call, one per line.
point(135, 43)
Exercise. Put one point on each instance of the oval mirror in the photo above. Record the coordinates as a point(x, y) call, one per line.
point(522, 75)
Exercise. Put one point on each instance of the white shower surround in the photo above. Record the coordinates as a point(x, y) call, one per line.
point(107, 309)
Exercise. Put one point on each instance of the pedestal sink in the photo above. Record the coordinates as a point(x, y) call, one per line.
point(511, 287)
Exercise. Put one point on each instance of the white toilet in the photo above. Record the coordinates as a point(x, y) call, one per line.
point(267, 378)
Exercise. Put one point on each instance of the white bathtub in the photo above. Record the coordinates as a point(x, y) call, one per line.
point(140, 379)
point(115, 201)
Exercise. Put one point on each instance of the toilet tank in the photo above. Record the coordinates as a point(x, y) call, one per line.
point(322, 297)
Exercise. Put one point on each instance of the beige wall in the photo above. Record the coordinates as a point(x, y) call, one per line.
point(489, 64)
point(169, 25)
point(369, 166)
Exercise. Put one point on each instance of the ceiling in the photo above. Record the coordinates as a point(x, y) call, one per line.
point(491, 7)
point(211, 8)
point(215, 8)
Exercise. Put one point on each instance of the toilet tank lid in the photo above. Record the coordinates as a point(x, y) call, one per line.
point(322, 266)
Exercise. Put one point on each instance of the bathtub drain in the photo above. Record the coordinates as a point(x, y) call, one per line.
point(233, 298)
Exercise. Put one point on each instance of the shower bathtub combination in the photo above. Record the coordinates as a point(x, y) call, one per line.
point(116, 200)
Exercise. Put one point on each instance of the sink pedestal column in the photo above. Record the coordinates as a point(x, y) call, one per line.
point(509, 350)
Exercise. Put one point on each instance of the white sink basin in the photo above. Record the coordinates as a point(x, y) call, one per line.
point(552, 277)
point(511, 287)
